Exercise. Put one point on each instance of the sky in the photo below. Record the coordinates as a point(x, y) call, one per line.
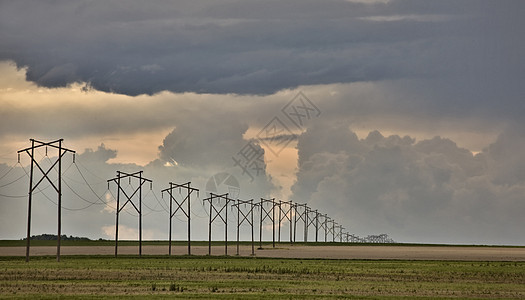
point(390, 116)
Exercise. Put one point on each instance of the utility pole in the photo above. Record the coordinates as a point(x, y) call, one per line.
point(265, 214)
point(246, 217)
point(129, 199)
point(331, 229)
point(325, 226)
point(285, 214)
point(340, 234)
point(45, 175)
point(313, 221)
point(300, 215)
point(334, 225)
point(180, 206)
point(218, 213)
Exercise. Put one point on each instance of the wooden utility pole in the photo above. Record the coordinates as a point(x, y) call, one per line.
point(129, 199)
point(300, 215)
point(285, 214)
point(247, 217)
point(266, 214)
point(313, 221)
point(45, 175)
point(180, 206)
point(218, 213)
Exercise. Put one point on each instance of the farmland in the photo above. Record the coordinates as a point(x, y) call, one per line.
point(199, 277)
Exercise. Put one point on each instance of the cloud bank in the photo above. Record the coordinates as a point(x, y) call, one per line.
point(429, 190)
point(471, 49)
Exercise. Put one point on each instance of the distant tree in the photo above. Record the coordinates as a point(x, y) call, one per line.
point(53, 237)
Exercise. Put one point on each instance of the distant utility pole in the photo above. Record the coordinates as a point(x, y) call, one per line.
point(246, 217)
point(313, 221)
point(325, 226)
point(340, 234)
point(214, 213)
point(137, 190)
point(179, 206)
point(45, 175)
point(266, 214)
point(331, 229)
point(300, 215)
point(347, 237)
point(285, 214)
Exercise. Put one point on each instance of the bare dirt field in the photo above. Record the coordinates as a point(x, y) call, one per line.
point(459, 253)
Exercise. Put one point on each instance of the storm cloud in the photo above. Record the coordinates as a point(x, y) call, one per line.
point(469, 50)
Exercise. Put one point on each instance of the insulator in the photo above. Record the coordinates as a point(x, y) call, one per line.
point(46, 150)
point(18, 157)
point(73, 157)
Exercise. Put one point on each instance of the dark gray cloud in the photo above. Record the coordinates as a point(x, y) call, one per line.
point(426, 191)
point(467, 54)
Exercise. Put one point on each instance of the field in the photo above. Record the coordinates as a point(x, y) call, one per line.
point(245, 277)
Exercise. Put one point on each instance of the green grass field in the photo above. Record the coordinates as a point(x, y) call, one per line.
point(256, 278)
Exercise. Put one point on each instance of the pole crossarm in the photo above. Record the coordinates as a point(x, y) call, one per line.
point(133, 175)
point(35, 144)
point(45, 144)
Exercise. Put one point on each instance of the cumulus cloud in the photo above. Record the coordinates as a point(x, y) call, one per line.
point(426, 191)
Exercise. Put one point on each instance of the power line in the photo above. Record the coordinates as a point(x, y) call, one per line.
point(87, 183)
point(8, 171)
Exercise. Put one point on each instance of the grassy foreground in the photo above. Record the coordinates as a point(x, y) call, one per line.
point(256, 278)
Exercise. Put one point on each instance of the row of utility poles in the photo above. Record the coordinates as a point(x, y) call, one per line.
point(276, 212)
